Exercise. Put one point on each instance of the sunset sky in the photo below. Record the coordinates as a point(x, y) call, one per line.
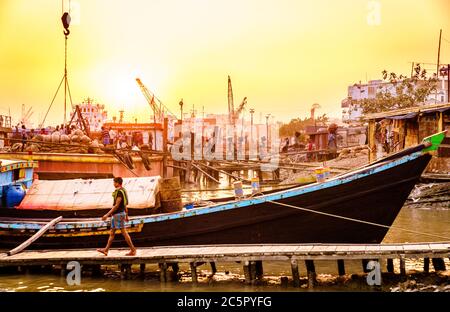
point(283, 55)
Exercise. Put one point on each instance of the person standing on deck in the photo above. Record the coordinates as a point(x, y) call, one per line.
point(105, 136)
point(24, 136)
point(119, 215)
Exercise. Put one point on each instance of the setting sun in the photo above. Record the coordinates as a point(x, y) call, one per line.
point(282, 55)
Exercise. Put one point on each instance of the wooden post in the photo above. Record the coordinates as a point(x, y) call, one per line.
point(252, 267)
point(162, 273)
point(122, 270)
point(128, 271)
point(165, 140)
point(194, 272)
point(438, 264)
point(213, 268)
point(247, 273)
point(260, 175)
point(295, 273)
point(426, 265)
point(175, 268)
point(402, 266)
point(125, 271)
point(341, 267)
point(311, 272)
point(364, 265)
point(259, 269)
point(142, 270)
point(390, 265)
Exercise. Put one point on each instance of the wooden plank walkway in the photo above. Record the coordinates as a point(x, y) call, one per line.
point(228, 253)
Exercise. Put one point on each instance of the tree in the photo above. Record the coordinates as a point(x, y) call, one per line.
point(322, 120)
point(409, 91)
point(297, 124)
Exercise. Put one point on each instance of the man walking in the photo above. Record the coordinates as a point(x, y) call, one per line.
point(118, 214)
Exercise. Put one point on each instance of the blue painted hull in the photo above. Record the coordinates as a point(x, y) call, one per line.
point(373, 194)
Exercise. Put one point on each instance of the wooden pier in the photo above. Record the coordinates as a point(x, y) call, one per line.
point(251, 256)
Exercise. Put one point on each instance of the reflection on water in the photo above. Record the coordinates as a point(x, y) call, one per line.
point(230, 275)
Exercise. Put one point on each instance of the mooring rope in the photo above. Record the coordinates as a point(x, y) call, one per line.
point(359, 221)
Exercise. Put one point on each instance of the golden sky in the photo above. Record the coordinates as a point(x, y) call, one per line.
point(283, 55)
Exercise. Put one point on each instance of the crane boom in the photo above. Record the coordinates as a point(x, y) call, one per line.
point(240, 108)
point(230, 101)
point(150, 97)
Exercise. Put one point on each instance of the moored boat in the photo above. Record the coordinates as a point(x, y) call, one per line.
point(342, 209)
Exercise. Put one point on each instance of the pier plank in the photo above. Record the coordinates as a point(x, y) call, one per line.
point(193, 254)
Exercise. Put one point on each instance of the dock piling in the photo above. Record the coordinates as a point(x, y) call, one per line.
point(295, 273)
point(390, 265)
point(438, 264)
point(311, 273)
point(259, 269)
point(402, 267)
point(426, 265)
point(194, 272)
point(341, 267)
point(364, 265)
point(163, 272)
point(213, 268)
point(142, 270)
point(247, 272)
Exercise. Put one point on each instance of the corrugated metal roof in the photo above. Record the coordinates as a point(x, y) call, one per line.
point(78, 194)
point(401, 112)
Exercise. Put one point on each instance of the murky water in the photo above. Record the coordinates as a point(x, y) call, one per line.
point(229, 277)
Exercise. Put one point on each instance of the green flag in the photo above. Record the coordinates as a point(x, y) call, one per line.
point(435, 140)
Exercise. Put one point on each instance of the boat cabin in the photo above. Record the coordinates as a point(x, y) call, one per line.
point(15, 177)
point(396, 130)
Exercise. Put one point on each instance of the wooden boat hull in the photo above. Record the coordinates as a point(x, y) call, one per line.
point(60, 166)
point(373, 194)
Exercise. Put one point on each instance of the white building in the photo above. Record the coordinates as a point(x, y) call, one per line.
point(95, 114)
point(352, 111)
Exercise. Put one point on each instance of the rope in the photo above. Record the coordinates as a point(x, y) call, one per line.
point(356, 220)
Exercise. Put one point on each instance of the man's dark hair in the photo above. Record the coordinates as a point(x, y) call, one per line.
point(118, 180)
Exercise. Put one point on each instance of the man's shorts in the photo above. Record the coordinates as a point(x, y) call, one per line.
point(118, 220)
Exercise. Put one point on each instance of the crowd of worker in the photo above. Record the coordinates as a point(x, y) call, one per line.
point(119, 139)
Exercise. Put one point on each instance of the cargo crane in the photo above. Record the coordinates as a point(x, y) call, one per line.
point(234, 114)
point(26, 116)
point(158, 114)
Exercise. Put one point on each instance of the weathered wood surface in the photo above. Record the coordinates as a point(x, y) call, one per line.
point(33, 238)
point(226, 253)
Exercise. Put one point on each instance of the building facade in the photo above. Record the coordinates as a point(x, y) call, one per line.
point(352, 111)
point(94, 114)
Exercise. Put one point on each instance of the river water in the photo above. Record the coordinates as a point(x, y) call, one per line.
point(229, 276)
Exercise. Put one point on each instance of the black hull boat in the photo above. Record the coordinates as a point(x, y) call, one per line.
point(372, 194)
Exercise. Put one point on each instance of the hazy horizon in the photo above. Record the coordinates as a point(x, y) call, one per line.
point(282, 55)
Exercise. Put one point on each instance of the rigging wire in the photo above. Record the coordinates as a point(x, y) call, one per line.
point(358, 221)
